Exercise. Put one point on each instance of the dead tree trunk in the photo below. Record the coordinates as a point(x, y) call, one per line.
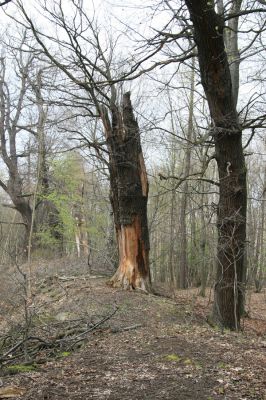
point(227, 135)
point(129, 196)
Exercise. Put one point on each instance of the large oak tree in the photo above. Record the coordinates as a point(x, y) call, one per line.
point(208, 32)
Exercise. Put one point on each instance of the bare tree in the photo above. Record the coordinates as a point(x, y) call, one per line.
point(24, 114)
point(10, 115)
point(94, 75)
point(183, 277)
point(227, 134)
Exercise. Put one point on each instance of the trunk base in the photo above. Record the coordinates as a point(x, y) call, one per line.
point(133, 270)
point(125, 280)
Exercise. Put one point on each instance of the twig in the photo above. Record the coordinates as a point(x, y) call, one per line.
point(79, 337)
point(21, 343)
point(57, 342)
point(82, 277)
point(12, 223)
point(127, 328)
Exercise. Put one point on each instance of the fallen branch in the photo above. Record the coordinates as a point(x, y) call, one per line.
point(106, 318)
point(127, 328)
point(83, 277)
point(20, 343)
point(64, 340)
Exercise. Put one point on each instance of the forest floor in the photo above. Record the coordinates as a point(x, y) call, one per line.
point(144, 347)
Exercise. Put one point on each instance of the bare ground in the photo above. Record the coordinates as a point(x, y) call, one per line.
point(153, 347)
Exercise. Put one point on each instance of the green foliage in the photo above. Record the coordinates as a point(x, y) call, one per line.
point(74, 191)
point(64, 204)
point(45, 237)
point(65, 194)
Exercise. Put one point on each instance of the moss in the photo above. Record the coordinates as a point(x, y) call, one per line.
point(173, 357)
point(42, 319)
point(17, 368)
point(184, 361)
point(222, 365)
point(197, 365)
point(64, 354)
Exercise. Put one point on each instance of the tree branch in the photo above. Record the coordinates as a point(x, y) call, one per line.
point(4, 2)
point(12, 223)
point(3, 185)
point(244, 12)
point(187, 177)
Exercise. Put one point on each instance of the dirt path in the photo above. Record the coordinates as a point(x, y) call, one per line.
point(152, 348)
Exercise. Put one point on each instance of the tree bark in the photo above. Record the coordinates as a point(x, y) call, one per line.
point(203, 242)
point(14, 190)
point(227, 134)
point(172, 271)
point(183, 262)
point(129, 196)
point(231, 44)
point(259, 262)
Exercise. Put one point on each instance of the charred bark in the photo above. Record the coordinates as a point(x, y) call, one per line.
point(227, 136)
point(129, 196)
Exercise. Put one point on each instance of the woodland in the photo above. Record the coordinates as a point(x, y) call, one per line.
point(132, 201)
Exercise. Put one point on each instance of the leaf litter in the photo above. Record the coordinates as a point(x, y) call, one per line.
point(152, 347)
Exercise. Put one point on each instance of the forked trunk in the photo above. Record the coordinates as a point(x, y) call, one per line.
point(129, 196)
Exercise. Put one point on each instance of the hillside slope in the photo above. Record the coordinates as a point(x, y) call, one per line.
point(113, 344)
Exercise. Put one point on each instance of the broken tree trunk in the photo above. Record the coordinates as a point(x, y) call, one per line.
point(129, 196)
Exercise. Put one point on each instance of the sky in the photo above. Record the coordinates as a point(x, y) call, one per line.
point(130, 21)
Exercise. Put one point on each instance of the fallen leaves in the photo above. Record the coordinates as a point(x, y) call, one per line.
point(9, 392)
point(171, 356)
